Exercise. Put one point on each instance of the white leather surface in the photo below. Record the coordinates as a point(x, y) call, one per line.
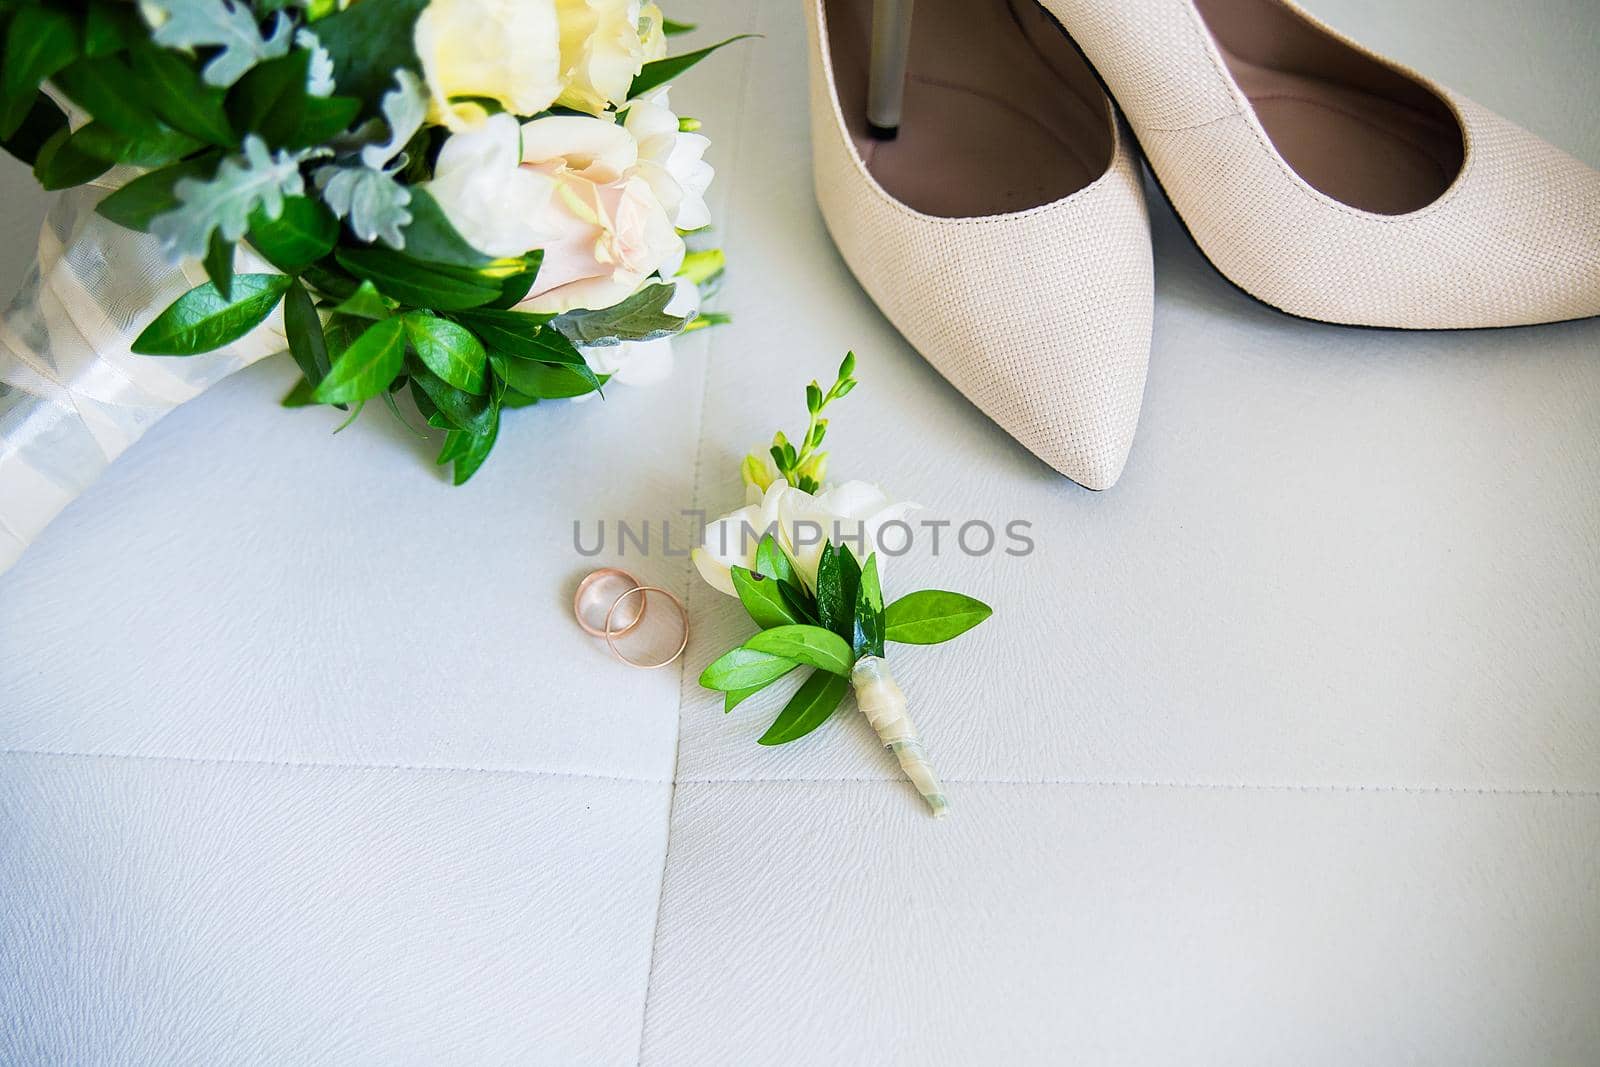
point(1285, 749)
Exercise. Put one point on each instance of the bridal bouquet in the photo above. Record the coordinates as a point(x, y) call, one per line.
point(786, 555)
point(481, 202)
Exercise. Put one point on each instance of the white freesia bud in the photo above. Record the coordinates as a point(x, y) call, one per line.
point(604, 44)
point(670, 160)
point(853, 514)
point(494, 202)
point(508, 51)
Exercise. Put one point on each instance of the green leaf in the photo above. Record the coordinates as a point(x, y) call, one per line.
point(811, 645)
point(459, 409)
point(763, 598)
point(300, 395)
point(869, 624)
point(514, 289)
point(511, 400)
point(673, 29)
point(172, 87)
point(41, 42)
point(448, 349)
point(100, 87)
point(743, 668)
point(164, 147)
point(431, 237)
point(773, 562)
point(366, 368)
point(812, 704)
point(543, 381)
point(218, 264)
point(474, 449)
point(665, 70)
point(513, 332)
point(323, 118)
point(641, 317)
point(365, 303)
point(332, 283)
point(307, 343)
point(270, 100)
point(525, 336)
point(367, 41)
point(838, 576)
point(149, 195)
point(108, 27)
point(931, 616)
point(42, 122)
point(303, 233)
point(415, 283)
point(202, 319)
point(61, 164)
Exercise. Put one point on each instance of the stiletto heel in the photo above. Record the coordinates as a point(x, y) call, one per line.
point(886, 87)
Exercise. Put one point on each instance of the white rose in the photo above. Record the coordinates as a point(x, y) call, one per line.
point(853, 514)
point(604, 44)
point(643, 362)
point(489, 197)
point(508, 51)
point(609, 232)
point(670, 160)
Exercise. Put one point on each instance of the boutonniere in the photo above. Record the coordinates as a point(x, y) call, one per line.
point(819, 603)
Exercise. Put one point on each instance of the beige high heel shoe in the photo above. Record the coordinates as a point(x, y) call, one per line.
point(991, 206)
point(1335, 184)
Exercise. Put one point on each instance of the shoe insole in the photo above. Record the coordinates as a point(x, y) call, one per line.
point(1353, 128)
point(1000, 115)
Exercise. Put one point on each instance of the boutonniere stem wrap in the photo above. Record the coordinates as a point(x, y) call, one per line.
point(820, 607)
point(884, 705)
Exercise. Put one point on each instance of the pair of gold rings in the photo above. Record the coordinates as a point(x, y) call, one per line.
point(619, 601)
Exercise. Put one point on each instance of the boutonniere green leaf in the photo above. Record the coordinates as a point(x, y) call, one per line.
point(835, 623)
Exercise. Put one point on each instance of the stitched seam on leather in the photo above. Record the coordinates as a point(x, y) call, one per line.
point(1154, 783)
point(327, 765)
point(736, 141)
point(1091, 783)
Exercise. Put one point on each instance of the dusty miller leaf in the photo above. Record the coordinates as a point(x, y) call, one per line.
point(255, 178)
point(222, 24)
point(371, 201)
point(403, 108)
point(367, 195)
point(319, 75)
point(641, 317)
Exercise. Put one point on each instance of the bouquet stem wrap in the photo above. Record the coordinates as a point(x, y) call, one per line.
point(880, 699)
point(72, 395)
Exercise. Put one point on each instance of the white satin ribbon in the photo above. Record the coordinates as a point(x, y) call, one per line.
point(73, 397)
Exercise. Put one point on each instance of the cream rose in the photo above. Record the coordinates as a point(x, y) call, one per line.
point(853, 514)
point(671, 160)
point(604, 44)
point(609, 231)
point(489, 197)
point(508, 51)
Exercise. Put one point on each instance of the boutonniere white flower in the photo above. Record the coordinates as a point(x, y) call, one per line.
point(787, 555)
